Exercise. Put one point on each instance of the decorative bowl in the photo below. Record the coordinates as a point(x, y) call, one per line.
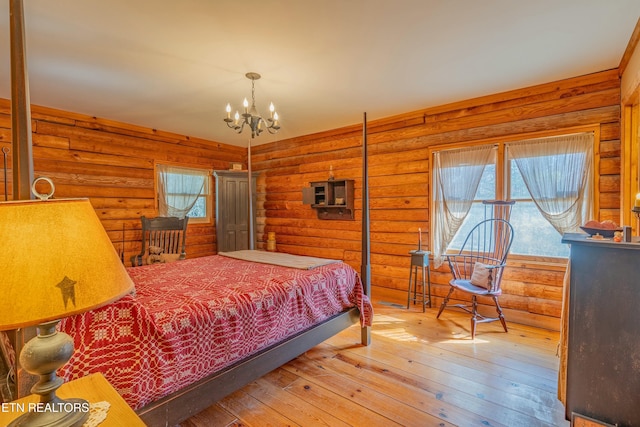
point(604, 232)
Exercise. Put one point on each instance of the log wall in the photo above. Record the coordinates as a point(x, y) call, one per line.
point(399, 184)
point(112, 164)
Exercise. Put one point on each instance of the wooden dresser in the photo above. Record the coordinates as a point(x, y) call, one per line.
point(603, 366)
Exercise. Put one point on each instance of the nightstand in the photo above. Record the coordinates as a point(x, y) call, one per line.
point(94, 388)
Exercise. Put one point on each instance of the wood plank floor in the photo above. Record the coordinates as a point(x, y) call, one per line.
point(418, 371)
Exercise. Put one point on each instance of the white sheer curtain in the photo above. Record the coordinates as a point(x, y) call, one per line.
point(558, 172)
point(178, 189)
point(456, 176)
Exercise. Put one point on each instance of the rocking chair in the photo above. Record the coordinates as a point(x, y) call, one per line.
point(478, 267)
point(166, 235)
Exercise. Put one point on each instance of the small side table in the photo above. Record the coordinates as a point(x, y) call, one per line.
point(419, 259)
point(93, 388)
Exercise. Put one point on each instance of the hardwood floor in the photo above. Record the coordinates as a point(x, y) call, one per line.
point(418, 371)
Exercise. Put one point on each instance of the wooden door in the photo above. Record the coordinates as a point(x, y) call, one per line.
point(232, 210)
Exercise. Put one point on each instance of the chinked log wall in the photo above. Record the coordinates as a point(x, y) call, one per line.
point(113, 165)
point(399, 190)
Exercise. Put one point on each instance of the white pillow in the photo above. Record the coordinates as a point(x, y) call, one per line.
point(480, 276)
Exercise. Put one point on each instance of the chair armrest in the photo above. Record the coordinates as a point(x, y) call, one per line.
point(472, 259)
point(493, 267)
point(461, 265)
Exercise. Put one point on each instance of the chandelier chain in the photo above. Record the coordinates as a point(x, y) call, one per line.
point(253, 92)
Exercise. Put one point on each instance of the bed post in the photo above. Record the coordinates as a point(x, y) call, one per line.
point(365, 268)
point(252, 238)
point(22, 157)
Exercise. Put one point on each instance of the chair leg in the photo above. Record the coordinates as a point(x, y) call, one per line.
point(444, 303)
point(500, 315)
point(474, 315)
point(412, 281)
point(429, 284)
point(409, 291)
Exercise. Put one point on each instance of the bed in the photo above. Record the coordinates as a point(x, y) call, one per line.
point(196, 330)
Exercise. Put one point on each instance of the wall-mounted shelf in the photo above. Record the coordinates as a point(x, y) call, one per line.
point(331, 199)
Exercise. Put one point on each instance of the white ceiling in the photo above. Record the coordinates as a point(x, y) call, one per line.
point(174, 64)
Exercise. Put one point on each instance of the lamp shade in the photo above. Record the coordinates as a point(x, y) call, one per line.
point(56, 260)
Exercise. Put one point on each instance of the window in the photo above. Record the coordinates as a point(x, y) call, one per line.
point(534, 235)
point(184, 191)
point(551, 181)
point(486, 191)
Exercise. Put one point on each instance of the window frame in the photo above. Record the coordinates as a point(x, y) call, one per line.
point(503, 179)
point(208, 219)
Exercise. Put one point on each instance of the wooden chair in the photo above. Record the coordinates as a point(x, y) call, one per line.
point(166, 235)
point(478, 267)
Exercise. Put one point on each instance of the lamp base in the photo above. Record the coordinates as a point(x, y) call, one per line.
point(68, 413)
point(44, 355)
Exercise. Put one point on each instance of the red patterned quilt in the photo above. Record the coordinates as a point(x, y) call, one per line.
point(190, 318)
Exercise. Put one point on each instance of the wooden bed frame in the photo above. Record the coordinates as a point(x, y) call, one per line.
point(177, 407)
point(184, 403)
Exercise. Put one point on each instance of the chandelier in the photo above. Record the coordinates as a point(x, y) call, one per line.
point(250, 117)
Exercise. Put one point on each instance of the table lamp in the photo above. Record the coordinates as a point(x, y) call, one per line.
point(57, 260)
